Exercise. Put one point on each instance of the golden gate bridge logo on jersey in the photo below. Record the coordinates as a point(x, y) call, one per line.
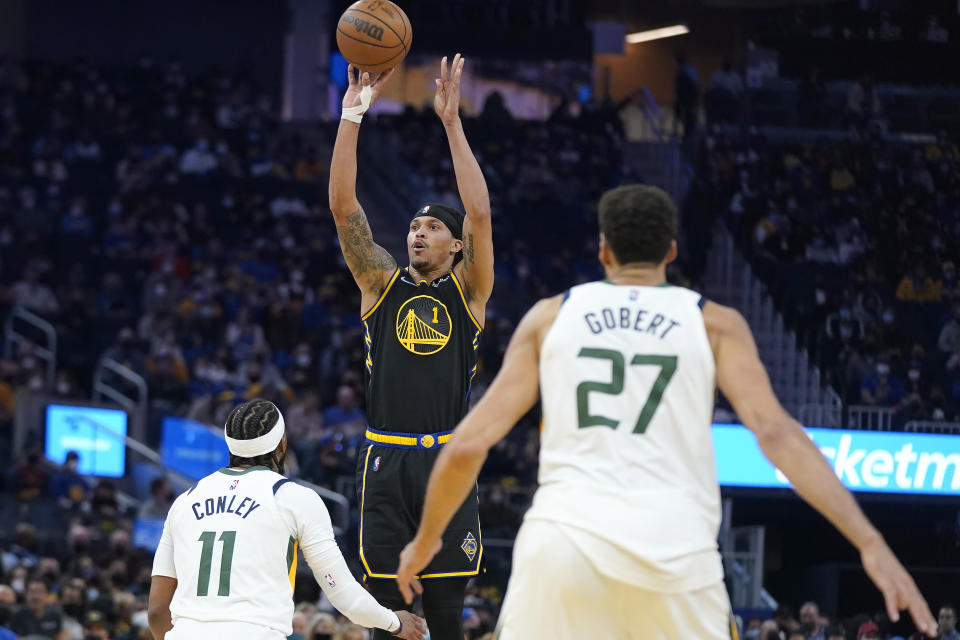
point(423, 325)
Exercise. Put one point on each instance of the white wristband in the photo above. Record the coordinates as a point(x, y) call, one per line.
point(355, 114)
point(395, 629)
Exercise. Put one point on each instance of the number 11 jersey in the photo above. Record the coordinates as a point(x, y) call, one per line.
point(627, 381)
point(231, 542)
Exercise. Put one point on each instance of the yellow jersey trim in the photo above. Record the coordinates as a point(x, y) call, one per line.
point(457, 574)
point(383, 295)
point(363, 492)
point(293, 565)
point(403, 441)
point(456, 281)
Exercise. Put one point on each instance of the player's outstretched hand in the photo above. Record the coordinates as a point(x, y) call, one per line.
point(414, 557)
point(898, 588)
point(360, 79)
point(412, 627)
point(446, 102)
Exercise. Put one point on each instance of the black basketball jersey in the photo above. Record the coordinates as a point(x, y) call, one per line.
point(422, 344)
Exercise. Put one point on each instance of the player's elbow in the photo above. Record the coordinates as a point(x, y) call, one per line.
point(464, 452)
point(479, 216)
point(778, 436)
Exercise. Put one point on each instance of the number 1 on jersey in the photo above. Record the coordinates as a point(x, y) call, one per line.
point(667, 364)
point(228, 538)
point(435, 318)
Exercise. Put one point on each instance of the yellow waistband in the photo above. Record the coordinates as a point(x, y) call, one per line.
point(424, 441)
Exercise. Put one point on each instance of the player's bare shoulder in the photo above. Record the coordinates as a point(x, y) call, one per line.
point(541, 317)
point(722, 321)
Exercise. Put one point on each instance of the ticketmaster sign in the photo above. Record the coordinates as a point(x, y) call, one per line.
point(863, 460)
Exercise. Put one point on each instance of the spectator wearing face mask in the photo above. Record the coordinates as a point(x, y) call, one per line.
point(881, 388)
point(888, 332)
point(67, 485)
point(913, 405)
point(322, 627)
point(844, 326)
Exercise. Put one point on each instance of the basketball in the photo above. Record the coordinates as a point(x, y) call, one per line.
point(374, 35)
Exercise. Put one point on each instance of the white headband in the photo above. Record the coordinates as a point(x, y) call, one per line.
point(267, 443)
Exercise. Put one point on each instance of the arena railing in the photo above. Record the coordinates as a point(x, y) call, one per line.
point(103, 388)
point(869, 417)
point(932, 426)
point(12, 337)
point(340, 515)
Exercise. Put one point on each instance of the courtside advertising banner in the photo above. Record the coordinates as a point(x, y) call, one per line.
point(880, 462)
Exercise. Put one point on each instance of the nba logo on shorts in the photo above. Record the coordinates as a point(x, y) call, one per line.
point(330, 580)
point(376, 463)
point(234, 484)
point(634, 294)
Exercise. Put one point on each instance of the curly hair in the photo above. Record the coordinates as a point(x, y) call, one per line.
point(250, 420)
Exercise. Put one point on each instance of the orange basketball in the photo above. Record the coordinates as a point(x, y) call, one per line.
point(374, 35)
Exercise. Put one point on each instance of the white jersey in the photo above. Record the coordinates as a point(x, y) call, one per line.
point(231, 543)
point(627, 382)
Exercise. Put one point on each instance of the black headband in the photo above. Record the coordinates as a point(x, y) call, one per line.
point(452, 218)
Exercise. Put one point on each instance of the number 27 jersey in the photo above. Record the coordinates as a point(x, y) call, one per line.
point(627, 382)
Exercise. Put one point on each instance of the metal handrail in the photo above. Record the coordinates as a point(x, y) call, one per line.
point(101, 388)
point(46, 353)
point(865, 416)
point(931, 426)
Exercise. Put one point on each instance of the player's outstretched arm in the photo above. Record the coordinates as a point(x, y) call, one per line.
point(309, 522)
point(476, 270)
point(511, 394)
point(370, 264)
point(743, 380)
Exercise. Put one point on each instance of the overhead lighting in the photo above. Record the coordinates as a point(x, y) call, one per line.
point(657, 34)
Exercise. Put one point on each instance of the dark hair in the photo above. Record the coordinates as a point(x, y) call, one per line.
point(949, 605)
point(638, 222)
point(250, 420)
point(157, 483)
point(39, 578)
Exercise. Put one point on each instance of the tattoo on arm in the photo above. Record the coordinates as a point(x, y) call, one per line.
point(468, 250)
point(366, 259)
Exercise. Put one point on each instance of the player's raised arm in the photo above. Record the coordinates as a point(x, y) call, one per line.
point(511, 394)
point(743, 380)
point(369, 263)
point(476, 269)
